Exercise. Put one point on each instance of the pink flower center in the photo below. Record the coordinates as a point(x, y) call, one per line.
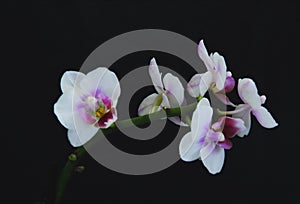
point(95, 108)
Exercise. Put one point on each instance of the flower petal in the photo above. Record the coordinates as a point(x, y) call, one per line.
point(226, 144)
point(214, 162)
point(214, 136)
point(83, 131)
point(189, 150)
point(85, 135)
point(220, 67)
point(155, 76)
point(177, 121)
point(232, 126)
point(200, 125)
point(264, 117)
point(248, 92)
point(147, 104)
point(69, 79)
point(174, 87)
point(204, 56)
point(165, 101)
point(63, 108)
point(245, 115)
point(193, 86)
point(205, 82)
point(103, 80)
point(108, 119)
point(206, 150)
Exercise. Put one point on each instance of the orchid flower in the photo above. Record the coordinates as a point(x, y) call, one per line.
point(208, 142)
point(170, 94)
point(216, 77)
point(88, 103)
point(247, 91)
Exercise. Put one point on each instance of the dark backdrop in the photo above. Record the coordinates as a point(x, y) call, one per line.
point(46, 38)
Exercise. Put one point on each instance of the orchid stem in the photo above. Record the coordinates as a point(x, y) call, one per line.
point(75, 157)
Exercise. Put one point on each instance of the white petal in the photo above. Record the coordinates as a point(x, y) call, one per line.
point(178, 121)
point(245, 115)
point(104, 80)
point(82, 133)
point(174, 86)
point(264, 117)
point(204, 56)
point(193, 86)
point(188, 149)
point(155, 76)
point(248, 92)
point(201, 119)
point(69, 79)
point(214, 162)
point(220, 67)
point(165, 101)
point(206, 150)
point(205, 82)
point(147, 104)
point(63, 108)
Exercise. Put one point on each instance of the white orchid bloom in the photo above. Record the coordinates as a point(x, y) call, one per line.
point(170, 93)
point(208, 142)
point(253, 104)
point(214, 78)
point(88, 103)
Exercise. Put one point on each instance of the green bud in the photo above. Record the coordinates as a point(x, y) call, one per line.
point(72, 157)
point(80, 169)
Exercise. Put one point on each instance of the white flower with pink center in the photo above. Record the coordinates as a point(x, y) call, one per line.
point(208, 142)
point(88, 103)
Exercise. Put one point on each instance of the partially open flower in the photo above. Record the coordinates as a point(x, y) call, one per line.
point(170, 94)
point(88, 103)
point(214, 78)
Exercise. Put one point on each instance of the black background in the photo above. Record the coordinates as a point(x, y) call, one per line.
point(43, 39)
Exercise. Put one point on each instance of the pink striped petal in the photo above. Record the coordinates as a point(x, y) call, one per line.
point(264, 117)
point(193, 86)
point(248, 92)
point(204, 56)
point(205, 82)
point(220, 68)
point(147, 105)
point(174, 87)
point(155, 76)
point(200, 125)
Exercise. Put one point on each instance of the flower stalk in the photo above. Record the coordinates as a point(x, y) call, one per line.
point(77, 155)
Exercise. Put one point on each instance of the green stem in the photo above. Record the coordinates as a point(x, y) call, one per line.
point(75, 157)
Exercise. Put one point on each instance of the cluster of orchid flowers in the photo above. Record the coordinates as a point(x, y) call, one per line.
point(89, 102)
